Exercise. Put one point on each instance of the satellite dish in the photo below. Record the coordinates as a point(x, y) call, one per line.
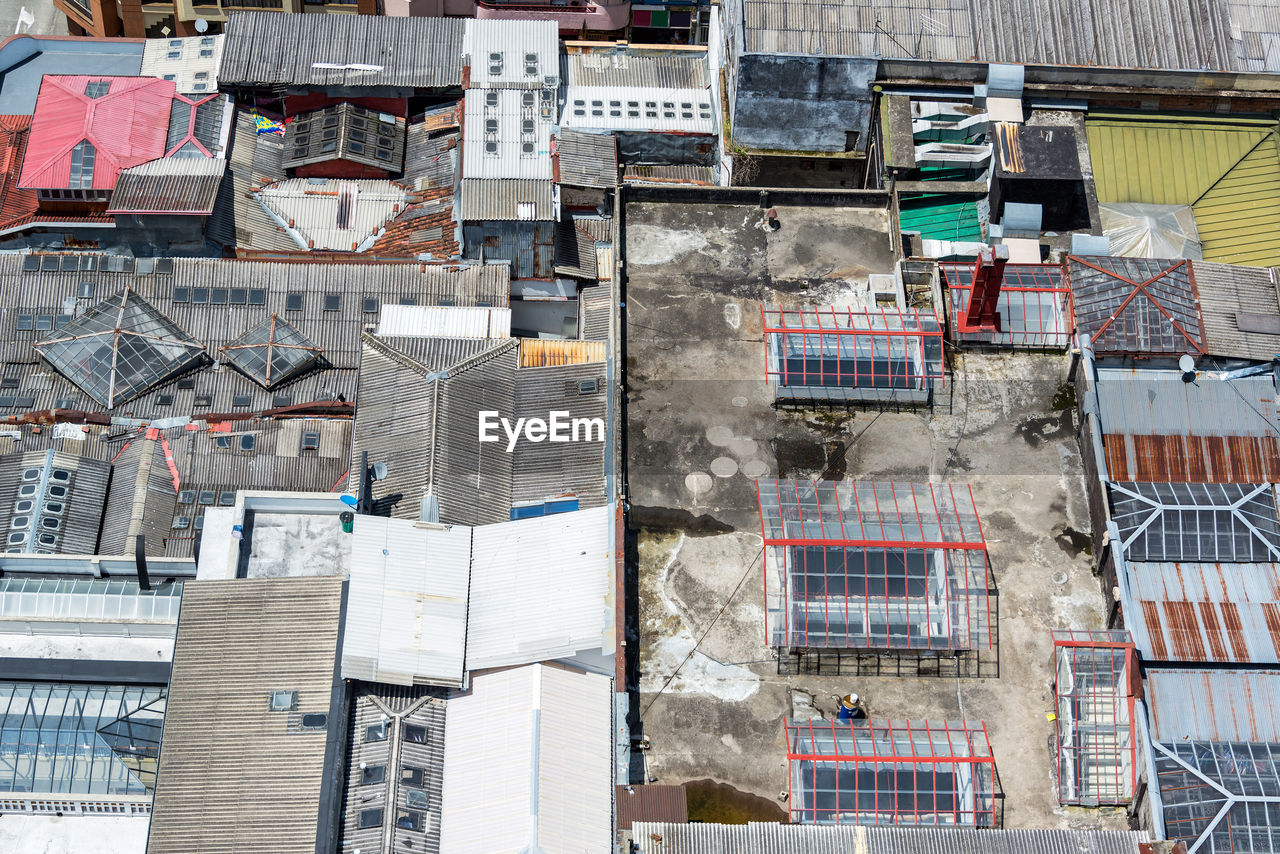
point(202, 26)
point(349, 500)
point(1187, 364)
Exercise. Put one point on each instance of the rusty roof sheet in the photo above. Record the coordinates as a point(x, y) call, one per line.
point(1214, 705)
point(1204, 612)
point(548, 352)
point(1136, 305)
point(1192, 459)
point(651, 803)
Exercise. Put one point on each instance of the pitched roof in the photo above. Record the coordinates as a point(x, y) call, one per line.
point(126, 126)
point(332, 214)
point(485, 199)
point(1136, 306)
point(587, 159)
point(170, 185)
point(240, 641)
point(353, 51)
point(16, 205)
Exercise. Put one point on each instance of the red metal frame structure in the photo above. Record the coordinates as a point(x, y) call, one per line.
point(838, 352)
point(874, 566)
point(890, 772)
point(1095, 682)
point(1035, 306)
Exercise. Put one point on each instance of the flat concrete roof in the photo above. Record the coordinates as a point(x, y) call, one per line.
point(701, 428)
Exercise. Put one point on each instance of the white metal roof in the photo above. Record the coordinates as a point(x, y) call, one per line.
point(639, 108)
point(512, 54)
point(528, 764)
point(406, 617)
point(332, 214)
point(541, 589)
point(86, 834)
point(182, 60)
point(507, 134)
point(434, 321)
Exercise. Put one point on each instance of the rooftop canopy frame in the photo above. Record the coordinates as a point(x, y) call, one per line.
point(868, 565)
point(1034, 306)
point(1190, 522)
point(1094, 685)
point(891, 772)
point(839, 353)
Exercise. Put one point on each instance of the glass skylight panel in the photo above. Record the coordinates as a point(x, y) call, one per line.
point(119, 349)
point(271, 352)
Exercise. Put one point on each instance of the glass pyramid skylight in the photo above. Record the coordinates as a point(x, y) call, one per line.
point(271, 352)
point(120, 348)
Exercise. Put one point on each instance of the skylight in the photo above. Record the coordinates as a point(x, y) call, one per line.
point(271, 352)
point(97, 88)
point(82, 157)
point(120, 348)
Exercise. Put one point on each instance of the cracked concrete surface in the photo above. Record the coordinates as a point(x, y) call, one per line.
point(702, 428)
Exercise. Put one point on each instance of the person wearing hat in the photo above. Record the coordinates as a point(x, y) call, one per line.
point(852, 708)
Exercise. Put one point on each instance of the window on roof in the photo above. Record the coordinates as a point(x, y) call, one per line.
point(206, 52)
point(293, 302)
point(369, 305)
point(171, 77)
point(284, 701)
point(206, 40)
point(416, 799)
point(409, 819)
point(175, 42)
point(414, 734)
point(410, 776)
point(332, 302)
point(174, 54)
point(373, 774)
point(376, 732)
point(202, 75)
point(82, 157)
point(247, 442)
point(96, 88)
point(222, 441)
point(371, 818)
point(310, 441)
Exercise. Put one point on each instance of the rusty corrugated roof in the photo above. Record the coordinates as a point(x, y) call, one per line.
point(1204, 612)
point(651, 803)
point(1192, 459)
point(549, 352)
point(1214, 705)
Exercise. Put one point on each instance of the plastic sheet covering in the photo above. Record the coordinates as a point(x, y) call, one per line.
point(1140, 230)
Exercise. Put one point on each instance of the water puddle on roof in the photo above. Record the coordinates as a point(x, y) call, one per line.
point(723, 804)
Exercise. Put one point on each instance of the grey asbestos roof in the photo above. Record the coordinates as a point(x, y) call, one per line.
point(170, 185)
point(768, 838)
point(29, 483)
point(238, 218)
point(507, 199)
point(587, 159)
point(235, 775)
point(575, 251)
point(1179, 34)
point(650, 70)
point(1229, 291)
point(354, 51)
point(213, 301)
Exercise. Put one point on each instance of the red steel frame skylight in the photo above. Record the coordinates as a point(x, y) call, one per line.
point(874, 566)
point(1094, 683)
point(1035, 304)
point(885, 348)
point(890, 772)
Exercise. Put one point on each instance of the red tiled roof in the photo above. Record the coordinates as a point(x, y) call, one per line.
point(126, 126)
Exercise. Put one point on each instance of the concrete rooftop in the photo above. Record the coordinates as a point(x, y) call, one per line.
point(701, 427)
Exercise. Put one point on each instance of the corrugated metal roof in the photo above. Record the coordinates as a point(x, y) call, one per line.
point(543, 471)
point(126, 126)
point(347, 132)
point(445, 321)
point(506, 134)
point(682, 174)
point(548, 352)
point(1192, 459)
point(549, 731)
point(553, 577)
point(498, 53)
point(1160, 403)
point(635, 108)
point(333, 214)
point(644, 69)
point(1184, 35)
point(406, 619)
point(587, 159)
point(191, 63)
point(1228, 291)
point(28, 477)
point(1136, 305)
point(770, 838)
point(238, 641)
point(1214, 705)
point(1227, 170)
point(170, 185)
point(507, 199)
point(575, 250)
point(353, 51)
point(1205, 612)
point(651, 803)
point(941, 217)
